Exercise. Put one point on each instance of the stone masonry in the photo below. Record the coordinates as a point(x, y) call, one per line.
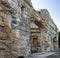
point(15, 20)
point(14, 29)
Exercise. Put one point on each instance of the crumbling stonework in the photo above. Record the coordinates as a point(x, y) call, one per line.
point(14, 29)
point(50, 32)
point(15, 20)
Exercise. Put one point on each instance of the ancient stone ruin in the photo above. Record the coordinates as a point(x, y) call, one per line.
point(20, 25)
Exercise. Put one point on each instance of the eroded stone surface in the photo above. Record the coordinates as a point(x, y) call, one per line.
point(14, 29)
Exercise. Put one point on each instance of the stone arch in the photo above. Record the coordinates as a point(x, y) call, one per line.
point(55, 43)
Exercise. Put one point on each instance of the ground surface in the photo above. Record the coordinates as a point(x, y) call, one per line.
point(44, 55)
point(56, 55)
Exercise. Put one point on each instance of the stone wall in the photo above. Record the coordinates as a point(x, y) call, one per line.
point(51, 29)
point(14, 29)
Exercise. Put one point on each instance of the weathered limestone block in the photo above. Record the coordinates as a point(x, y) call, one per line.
point(1, 23)
point(7, 28)
point(0, 8)
point(3, 35)
point(1, 29)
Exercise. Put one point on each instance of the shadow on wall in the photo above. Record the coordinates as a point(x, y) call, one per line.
point(59, 40)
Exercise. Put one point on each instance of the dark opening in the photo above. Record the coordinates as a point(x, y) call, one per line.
point(59, 42)
point(21, 57)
